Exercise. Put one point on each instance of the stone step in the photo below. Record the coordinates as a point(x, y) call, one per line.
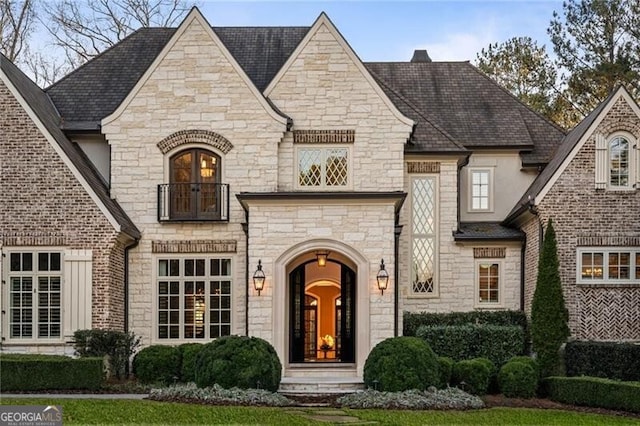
point(333, 372)
point(320, 386)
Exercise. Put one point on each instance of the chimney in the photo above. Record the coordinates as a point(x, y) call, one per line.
point(420, 56)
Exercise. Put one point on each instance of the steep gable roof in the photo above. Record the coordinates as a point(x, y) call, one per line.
point(473, 109)
point(96, 89)
point(44, 111)
point(565, 152)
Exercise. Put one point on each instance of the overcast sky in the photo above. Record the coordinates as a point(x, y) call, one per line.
point(390, 31)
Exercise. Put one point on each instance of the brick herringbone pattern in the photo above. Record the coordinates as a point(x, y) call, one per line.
point(609, 313)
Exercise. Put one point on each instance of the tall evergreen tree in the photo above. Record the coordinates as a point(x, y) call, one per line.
point(549, 316)
point(597, 43)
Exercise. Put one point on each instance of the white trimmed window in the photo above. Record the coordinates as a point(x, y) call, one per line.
point(608, 265)
point(617, 162)
point(480, 190)
point(488, 282)
point(323, 167)
point(194, 298)
point(35, 294)
point(424, 231)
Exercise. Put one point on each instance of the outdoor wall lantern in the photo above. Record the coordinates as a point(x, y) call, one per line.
point(322, 257)
point(382, 277)
point(258, 278)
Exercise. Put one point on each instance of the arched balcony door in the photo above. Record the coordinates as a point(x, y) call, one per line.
point(195, 188)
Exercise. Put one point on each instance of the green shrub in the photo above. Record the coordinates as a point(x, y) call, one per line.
point(188, 356)
point(157, 364)
point(594, 392)
point(610, 360)
point(529, 361)
point(472, 375)
point(411, 321)
point(518, 379)
point(401, 363)
point(493, 378)
point(49, 372)
point(445, 367)
point(118, 346)
point(239, 361)
point(549, 317)
point(460, 342)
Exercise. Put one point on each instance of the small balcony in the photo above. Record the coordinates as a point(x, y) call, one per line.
point(193, 202)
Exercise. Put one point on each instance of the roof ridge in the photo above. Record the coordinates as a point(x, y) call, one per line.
point(417, 111)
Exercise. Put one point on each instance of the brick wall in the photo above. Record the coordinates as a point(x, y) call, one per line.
point(581, 212)
point(44, 205)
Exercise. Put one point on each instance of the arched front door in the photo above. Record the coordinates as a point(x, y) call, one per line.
point(329, 348)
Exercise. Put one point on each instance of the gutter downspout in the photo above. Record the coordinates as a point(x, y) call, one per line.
point(245, 228)
point(458, 185)
point(522, 267)
point(396, 275)
point(126, 283)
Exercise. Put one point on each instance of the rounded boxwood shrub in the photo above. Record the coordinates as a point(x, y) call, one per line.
point(157, 364)
point(529, 361)
point(445, 367)
point(238, 361)
point(189, 354)
point(518, 380)
point(401, 363)
point(493, 376)
point(472, 375)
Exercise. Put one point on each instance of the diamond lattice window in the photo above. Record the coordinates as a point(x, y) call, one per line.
point(323, 167)
point(423, 212)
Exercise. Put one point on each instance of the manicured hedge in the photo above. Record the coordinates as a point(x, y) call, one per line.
point(619, 361)
point(518, 379)
point(49, 372)
point(472, 375)
point(157, 364)
point(594, 392)
point(460, 342)
point(413, 320)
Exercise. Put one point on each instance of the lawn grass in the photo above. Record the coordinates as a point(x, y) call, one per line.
point(91, 411)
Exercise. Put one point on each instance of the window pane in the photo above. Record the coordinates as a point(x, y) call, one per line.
point(638, 266)
point(619, 162)
point(423, 207)
point(336, 167)
point(189, 267)
point(488, 283)
point(43, 261)
point(309, 167)
point(423, 263)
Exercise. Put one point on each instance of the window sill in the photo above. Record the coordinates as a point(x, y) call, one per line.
point(434, 295)
point(609, 284)
point(488, 306)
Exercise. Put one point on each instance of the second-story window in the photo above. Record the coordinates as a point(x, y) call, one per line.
point(323, 167)
point(195, 185)
point(619, 164)
point(480, 190)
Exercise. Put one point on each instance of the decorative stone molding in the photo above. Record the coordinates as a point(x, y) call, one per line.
point(194, 246)
point(423, 167)
point(184, 137)
point(612, 241)
point(32, 239)
point(324, 136)
point(489, 252)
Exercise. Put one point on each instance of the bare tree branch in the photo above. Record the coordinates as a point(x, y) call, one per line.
point(85, 28)
point(16, 23)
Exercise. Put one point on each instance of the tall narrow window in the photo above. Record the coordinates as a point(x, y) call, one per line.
point(480, 190)
point(619, 150)
point(35, 295)
point(423, 238)
point(488, 283)
point(194, 298)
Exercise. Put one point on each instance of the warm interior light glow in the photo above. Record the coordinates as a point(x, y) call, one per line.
point(322, 258)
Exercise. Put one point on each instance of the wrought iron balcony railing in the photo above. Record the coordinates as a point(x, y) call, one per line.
point(193, 202)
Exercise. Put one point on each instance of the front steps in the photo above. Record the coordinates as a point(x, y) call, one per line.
point(320, 381)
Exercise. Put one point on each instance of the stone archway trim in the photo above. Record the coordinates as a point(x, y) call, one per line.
point(185, 137)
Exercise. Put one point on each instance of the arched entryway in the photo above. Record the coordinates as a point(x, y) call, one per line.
point(322, 312)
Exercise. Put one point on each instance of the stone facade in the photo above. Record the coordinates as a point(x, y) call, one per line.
point(45, 206)
point(595, 217)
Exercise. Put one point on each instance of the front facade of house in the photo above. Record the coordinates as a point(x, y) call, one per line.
point(264, 181)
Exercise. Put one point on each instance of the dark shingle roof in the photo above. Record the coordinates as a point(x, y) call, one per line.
point(46, 112)
point(472, 108)
point(565, 148)
point(97, 88)
point(474, 231)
